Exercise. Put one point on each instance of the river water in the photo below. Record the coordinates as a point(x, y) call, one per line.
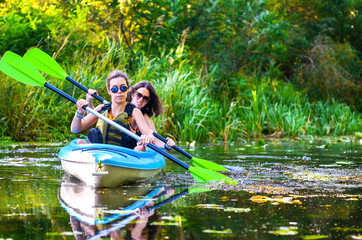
point(287, 189)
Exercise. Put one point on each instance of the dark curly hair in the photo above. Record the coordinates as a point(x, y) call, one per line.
point(154, 106)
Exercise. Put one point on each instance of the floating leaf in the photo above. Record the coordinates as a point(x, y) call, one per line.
point(263, 199)
point(296, 202)
point(285, 231)
point(352, 199)
point(162, 223)
point(326, 206)
point(169, 221)
point(225, 231)
point(172, 218)
point(259, 199)
point(231, 209)
point(313, 237)
point(225, 198)
point(329, 165)
point(345, 163)
point(213, 206)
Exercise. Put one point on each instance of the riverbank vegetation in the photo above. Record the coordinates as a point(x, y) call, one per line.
point(225, 70)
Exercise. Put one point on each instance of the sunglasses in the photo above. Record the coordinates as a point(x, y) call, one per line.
point(116, 89)
point(145, 98)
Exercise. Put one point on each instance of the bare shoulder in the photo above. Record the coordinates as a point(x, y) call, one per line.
point(136, 111)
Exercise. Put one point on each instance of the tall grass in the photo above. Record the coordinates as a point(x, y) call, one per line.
point(194, 110)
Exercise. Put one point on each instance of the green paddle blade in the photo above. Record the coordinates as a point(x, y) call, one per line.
point(205, 175)
point(45, 63)
point(19, 69)
point(201, 163)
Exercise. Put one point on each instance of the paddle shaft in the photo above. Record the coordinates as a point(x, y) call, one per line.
point(86, 89)
point(116, 125)
point(189, 156)
point(174, 147)
point(154, 133)
point(127, 220)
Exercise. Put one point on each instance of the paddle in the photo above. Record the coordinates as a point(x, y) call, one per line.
point(21, 70)
point(48, 65)
point(129, 219)
point(198, 162)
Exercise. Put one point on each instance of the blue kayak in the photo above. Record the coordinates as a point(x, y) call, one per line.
point(104, 165)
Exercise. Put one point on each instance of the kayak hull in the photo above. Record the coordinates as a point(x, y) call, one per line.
point(103, 165)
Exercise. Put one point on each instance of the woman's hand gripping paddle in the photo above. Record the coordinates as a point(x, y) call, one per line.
point(21, 70)
point(43, 62)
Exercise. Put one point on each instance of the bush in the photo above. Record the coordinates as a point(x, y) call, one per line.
point(331, 71)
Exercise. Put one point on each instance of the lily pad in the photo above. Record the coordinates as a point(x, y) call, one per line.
point(231, 209)
point(314, 237)
point(225, 231)
point(285, 231)
point(212, 206)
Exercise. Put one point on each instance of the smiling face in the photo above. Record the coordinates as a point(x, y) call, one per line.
point(119, 96)
point(141, 97)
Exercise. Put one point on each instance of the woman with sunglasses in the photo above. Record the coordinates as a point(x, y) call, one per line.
point(143, 95)
point(119, 110)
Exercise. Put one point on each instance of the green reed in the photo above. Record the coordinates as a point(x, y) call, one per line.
point(265, 107)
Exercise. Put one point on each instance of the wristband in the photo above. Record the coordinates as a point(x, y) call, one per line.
point(81, 116)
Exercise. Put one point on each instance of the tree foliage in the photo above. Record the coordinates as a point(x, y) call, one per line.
point(234, 46)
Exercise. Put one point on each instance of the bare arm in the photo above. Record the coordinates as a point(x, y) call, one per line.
point(150, 122)
point(78, 123)
point(138, 117)
point(158, 142)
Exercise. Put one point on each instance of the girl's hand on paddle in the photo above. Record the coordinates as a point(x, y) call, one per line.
point(89, 98)
point(146, 139)
point(80, 104)
point(90, 93)
point(170, 142)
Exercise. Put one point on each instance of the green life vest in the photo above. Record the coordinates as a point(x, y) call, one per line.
point(112, 135)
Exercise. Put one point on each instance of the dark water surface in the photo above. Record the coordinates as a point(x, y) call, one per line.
point(309, 189)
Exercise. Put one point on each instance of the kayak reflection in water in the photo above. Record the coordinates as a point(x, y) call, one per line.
point(135, 230)
point(138, 230)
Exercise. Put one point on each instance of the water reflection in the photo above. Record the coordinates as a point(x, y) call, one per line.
point(92, 212)
point(304, 192)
